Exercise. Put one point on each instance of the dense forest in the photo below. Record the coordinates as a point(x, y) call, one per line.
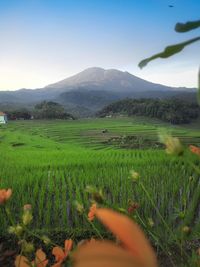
point(50, 110)
point(173, 110)
point(43, 110)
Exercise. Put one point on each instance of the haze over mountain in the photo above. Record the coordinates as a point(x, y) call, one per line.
point(111, 80)
point(92, 89)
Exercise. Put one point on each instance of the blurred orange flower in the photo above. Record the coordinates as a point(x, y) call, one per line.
point(195, 150)
point(92, 211)
point(86, 241)
point(136, 250)
point(5, 195)
point(40, 260)
point(61, 254)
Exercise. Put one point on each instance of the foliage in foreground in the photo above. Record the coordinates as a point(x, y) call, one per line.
point(131, 248)
point(177, 48)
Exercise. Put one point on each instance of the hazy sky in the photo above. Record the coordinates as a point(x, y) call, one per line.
point(44, 41)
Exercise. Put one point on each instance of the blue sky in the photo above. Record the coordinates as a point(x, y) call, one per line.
point(44, 41)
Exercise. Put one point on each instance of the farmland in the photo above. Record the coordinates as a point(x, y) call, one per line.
point(49, 164)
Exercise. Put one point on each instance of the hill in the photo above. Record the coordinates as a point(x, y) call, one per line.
point(173, 110)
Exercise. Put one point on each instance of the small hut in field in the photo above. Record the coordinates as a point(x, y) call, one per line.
point(3, 118)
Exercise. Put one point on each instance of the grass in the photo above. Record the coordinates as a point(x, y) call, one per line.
point(49, 164)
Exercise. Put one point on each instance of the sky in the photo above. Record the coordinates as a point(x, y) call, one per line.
point(45, 41)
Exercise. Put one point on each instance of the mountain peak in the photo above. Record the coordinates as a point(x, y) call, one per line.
point(93, 75)
point(92, 69)
point(96, 78)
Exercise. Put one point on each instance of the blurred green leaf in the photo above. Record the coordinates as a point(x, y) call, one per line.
point(198, 93)
point(188, 26)
point(169, 51)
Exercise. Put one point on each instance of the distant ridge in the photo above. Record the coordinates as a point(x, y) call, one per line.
point(93, 88)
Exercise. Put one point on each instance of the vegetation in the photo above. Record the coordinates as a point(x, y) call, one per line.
point(160, 192)
point(43, 110)
point(177, 48)
point(54, 157)
point(48, 165)
point(51, 110)
point(18, 114)
point(171, 110)
point(57, 182)
point(133, 251)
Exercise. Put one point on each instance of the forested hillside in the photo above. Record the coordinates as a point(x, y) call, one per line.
point(171, 110)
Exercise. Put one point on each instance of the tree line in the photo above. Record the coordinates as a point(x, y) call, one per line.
point(173, 110)
point(43, 110)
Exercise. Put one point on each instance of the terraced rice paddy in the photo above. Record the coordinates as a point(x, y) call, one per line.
point(49, 164)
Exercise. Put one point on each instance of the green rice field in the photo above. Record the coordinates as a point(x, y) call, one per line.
point(49, 164)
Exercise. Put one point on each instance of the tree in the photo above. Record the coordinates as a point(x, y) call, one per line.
point(19, 114)
point(51, 110)
point(174, 110)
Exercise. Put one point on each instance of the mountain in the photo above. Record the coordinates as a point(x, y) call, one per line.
point(108, 80)
point(92, 89)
